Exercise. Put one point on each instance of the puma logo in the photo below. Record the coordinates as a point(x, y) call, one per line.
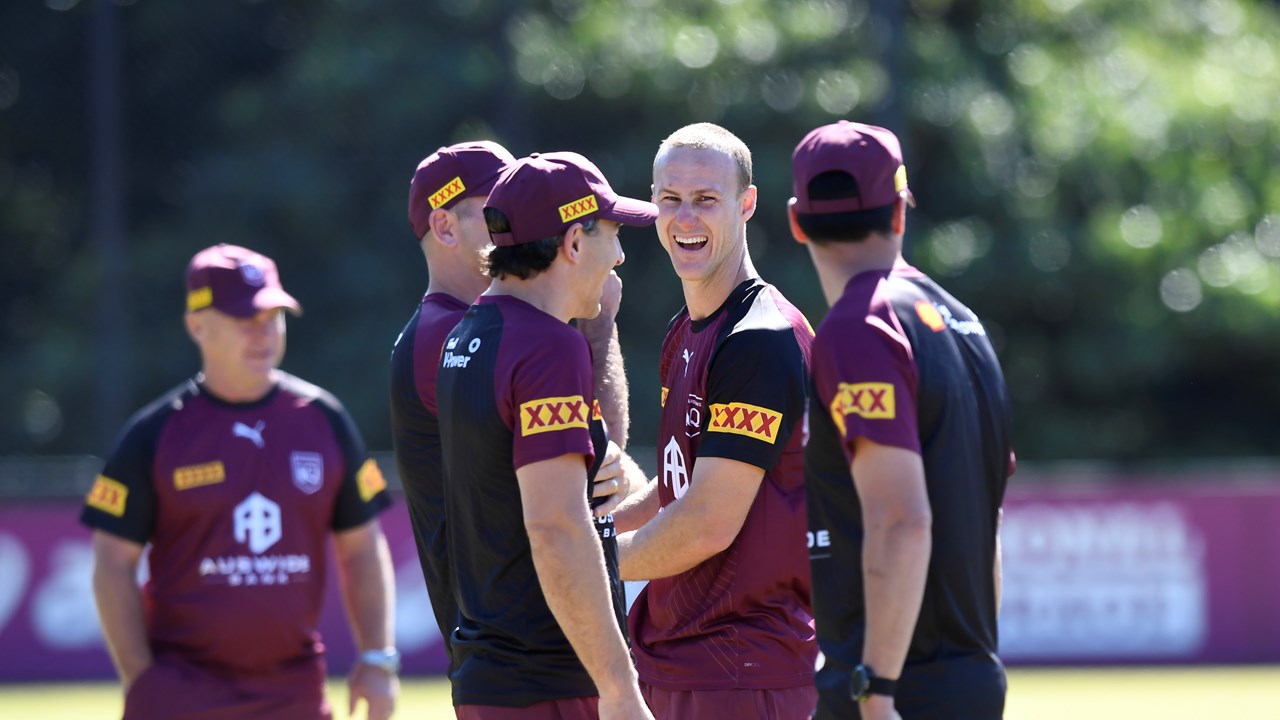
point(687, 356)
point(254, 433)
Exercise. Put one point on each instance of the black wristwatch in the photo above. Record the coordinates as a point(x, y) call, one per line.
point(864, 684)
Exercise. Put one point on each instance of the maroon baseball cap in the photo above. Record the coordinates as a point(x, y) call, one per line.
point(870, 154)
point(546, 193)
point(236, 281)
point(451, 174)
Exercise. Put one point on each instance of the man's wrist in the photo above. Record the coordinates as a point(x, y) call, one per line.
point(864, 684)
point(387, 659)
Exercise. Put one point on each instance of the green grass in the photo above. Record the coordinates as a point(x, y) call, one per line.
point(1239, 693)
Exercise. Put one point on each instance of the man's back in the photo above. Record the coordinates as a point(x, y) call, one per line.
point(415, 362)
point(514, 389)
point(899, 351)
point(733, 387)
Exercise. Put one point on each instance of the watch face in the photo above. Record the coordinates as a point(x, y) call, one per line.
point(859, 683)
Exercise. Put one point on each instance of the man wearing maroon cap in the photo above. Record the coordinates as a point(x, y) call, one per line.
point(541, 607)
point(907, 400)
point(446, 201)
point(723, 628)
point(236, 479)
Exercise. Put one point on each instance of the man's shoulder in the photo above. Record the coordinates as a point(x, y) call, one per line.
point(299, 393)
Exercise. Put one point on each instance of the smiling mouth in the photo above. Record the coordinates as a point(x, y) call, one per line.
point(694, 242)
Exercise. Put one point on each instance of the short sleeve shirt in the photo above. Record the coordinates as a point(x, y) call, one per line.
point(237, 501)
point(514, 389)
point(901, 362)
point(734, 387)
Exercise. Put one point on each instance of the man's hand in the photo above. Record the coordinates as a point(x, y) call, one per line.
point(611, 480)
point(627, 705)
point(377, 687)
point(611, 296)
point(879, 707)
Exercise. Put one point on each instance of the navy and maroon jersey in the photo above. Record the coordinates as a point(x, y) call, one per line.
point(415, 360)
point(237, 502)
point(515, 388)
point(901, 362)
point(733, 386)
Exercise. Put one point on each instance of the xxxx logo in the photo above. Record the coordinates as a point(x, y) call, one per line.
point(873, 401)
point(446, 193)
point(193, 476)
point(108, 495)
point(369, 480)
point(578, 208)
point(553, 413)
point(595, 410)
point(665, 391)
point(743, 419)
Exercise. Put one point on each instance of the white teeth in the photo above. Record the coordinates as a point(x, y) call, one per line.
point(692, 240)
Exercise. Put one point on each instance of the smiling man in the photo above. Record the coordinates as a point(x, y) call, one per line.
point(236, 479)
point(723, 628)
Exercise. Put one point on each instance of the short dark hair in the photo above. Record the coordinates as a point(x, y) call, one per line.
point(709, 136)
point(852, 226)
point(526, 260)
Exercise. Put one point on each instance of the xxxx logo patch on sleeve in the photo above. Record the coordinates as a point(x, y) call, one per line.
point(752, 421)
point(108, 495)
point(369, 480)
point(873, 401)
point(595, 410)
point(665, 391)
point(552, 413)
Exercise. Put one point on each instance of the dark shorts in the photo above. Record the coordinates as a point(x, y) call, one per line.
point(579, 708)
point(173, 689)
point(787, 704)
point(972, 687)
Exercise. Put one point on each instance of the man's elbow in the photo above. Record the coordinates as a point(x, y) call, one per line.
point(915, 523)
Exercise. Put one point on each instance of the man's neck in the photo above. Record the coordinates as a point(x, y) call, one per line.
point(542, 292)
point(463, 284)
point(837, 263)
point(705, 297)
point(230, 388)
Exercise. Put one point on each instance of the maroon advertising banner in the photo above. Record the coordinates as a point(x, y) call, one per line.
point(1094, 574)
point(1142, 573)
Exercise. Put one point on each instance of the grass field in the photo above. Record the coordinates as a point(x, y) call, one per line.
point(1239, 693)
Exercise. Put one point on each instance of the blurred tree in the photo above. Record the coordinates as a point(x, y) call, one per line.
point(1095, 179)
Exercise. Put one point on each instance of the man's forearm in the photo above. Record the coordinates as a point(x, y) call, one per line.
point(639, 507)
point(895, 566)
point(572, 574)
point(610, 376)
point(123, 623)
point(366, 578)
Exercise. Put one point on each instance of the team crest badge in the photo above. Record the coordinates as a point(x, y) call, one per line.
point(308, 471)
point(252, 274)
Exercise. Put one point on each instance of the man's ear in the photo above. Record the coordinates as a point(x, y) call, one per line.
point(572, 245)
point(796, 231)
point(442, 223)
point(195, 326)
point(900, 216)
point(748, 202)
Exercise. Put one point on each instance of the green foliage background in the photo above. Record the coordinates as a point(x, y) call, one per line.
point(1096, 179)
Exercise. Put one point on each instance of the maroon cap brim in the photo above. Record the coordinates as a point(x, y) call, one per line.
point(270, 298)
point(629, 211)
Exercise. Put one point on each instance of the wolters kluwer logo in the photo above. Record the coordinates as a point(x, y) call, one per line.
point(257, 523)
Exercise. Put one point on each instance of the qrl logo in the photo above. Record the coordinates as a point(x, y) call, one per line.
point(674, 472)
point(257, 523)
point(553, 413)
